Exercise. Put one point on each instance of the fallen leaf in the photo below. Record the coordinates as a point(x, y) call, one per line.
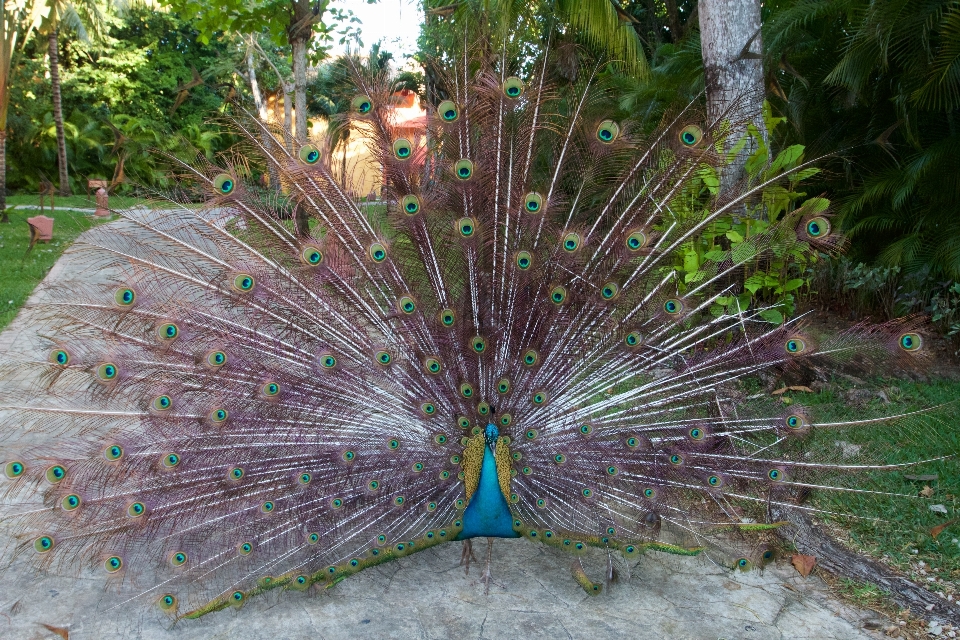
point(783, 390)
point(926, 477)
point(802, 388)
point(926, 492)
point(939, 508)
point(778, 392)
point(804, 564)
point(937, 530)
point(60, 631)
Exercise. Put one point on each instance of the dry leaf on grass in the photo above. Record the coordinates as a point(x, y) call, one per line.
point(937, 530)
point(783, 390)
point(803, 564)
point(926, 492)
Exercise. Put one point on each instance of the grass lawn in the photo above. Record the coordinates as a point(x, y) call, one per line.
point(21, 272)
point(78, 201)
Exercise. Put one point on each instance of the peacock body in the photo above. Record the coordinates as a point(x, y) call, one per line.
point(506, 352)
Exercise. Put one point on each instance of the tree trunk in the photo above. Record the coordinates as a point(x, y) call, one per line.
point(673, 21)
point(287, 116)
point(58, 115)
point(264, 115)
point(3, 176)
point(733, 72)
point(299, 46)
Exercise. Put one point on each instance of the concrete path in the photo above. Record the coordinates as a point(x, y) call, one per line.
point(427, 595)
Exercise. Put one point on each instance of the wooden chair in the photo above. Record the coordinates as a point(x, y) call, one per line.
point(41, 229)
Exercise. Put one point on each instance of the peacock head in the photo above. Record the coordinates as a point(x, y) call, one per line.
point(490, 434)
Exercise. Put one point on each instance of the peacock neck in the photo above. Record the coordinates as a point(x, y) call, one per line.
point(488, 513)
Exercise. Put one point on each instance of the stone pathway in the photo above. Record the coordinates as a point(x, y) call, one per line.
point(427, 595)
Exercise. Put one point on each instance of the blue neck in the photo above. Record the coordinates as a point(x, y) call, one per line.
point(488, 513)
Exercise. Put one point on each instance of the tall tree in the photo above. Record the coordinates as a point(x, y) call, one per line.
point(79, 17)
point(17, 16)
point(733, 69)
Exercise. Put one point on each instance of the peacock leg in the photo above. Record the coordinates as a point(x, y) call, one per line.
point(467, 554)
point(485, 576)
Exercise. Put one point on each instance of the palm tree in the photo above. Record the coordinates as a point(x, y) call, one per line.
point(81, 16)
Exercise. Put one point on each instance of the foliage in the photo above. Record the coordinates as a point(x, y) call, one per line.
point(771, 282)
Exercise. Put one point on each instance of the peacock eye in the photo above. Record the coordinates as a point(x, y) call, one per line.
point(795, 346)
point(378, 253)
point(558, 295)
point(60, 357)
point(448, 111)
point(162, 403)
point(328, 362)
point(410, 204)
point(168, 332)
point(402, 148)
point(70, 502)
point(571, 242)
point(447, 317)
point(463, 169)
point(432, 365)
point(691, 135)
point(478, 344)
point(309, 154)
point(524, 260)
point(362, 105)
point(466, 390)
point(384, 358)
point(483, 408)
point(311, 256)
point(505, 420)
point(243, 282)
point(218, 416)
point(636, 240)
point(818, 227)
point(513, 87)
point(466, 226)
point(910, 342)
point(673, 306)
point(125, 297)
point(224, 184)
point(609, 291)
point(503, 386)
point(633, 339)
point(216, 358)
point(14, 470)
point(530, 358)
point(533, 202)
point(608, 131)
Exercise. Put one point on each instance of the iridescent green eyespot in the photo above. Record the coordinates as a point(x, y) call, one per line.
point(636, 240)
point(559, 458)
point(178, 559)
point(676, 459)
point(304, 478)
point(384, 358)
point(632, 442)
point(402, 148)
point(43, 544)
point(910, 342)
point(503, 386)
point(612, 470)
point(245, 549)
point(243, 282)
point(531, 434)
point(714, 481)
point(14, 470)
point(649, 493)
point(609, 291)
point(362, 105)
point(136, 510)
point(696, 433)
point(55, 474)
point(313, 538)
point(216, 358)
point(478, 344)
point(444, 475)
point(448, 111)
point(586, 429)
point(60, 357)
point(113, 564)
point(539, 397)
point(530, 358)
point(505, 420)
point(432, 365)
point(691, 135)
point(270, 389)
point(428, 408)
point(447, 317)
point(441, 439)
point(587, 493)
point(309, 154)
point(467, 227)
point(161, 403)
point(113, 453)
point(328, 361)
point(378, 253)
point(463, 422)
point(571, 242)
point(168, 331)
point(775, 474)
point(393, 444)
point(218, 416)
point(608, 131)
point(466, 390)
point(267, 507)
point(125, 297)
point(348, 455)
point(795, 346)
point(107, 371)
point(167, 602)
point(818, 227)
point(70, 502)
point(533, 202)
point(224, 184)
point(524, 260)
point(673, 306)
point(311, 255)
point(558, 295)
point(236, 473)
point(373, 485)
point(410, 204)
point(418, 467)
point(796, 421)
point(526, 471)
point(170, 460)
point(398, 500)
point(463, 169)
point(483, 408)
point(407, 305)
point(633, 339)
point(513, 87)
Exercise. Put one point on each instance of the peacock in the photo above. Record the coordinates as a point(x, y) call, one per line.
point(279, 392)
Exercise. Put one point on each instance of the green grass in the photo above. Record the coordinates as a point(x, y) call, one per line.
point(21, 272)
point(77, 201)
